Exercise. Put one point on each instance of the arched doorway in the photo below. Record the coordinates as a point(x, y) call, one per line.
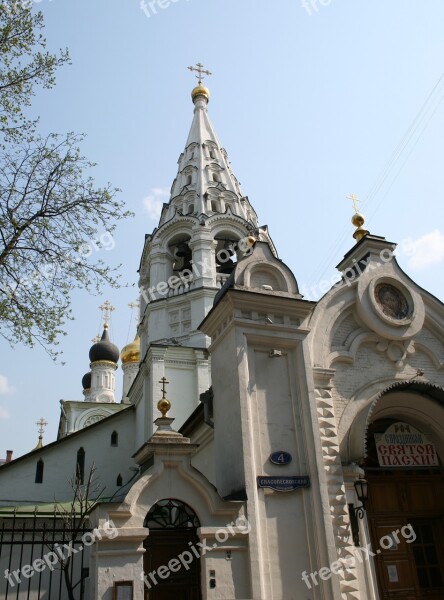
point(405, 510)
point(172, 533)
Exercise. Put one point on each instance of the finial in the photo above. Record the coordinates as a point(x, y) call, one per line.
point(42, 424)
point(106, 309)
point(201, 71)
point(357, 219)
point(132, 306)
point(200, 90)
point(164, 404)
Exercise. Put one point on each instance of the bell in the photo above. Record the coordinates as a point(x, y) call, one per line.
point(228, 246)
point(182, 250)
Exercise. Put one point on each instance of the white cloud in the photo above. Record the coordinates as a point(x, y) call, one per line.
point(154, 201)
point(427, 250)
point(4, 413)
point(5, 388)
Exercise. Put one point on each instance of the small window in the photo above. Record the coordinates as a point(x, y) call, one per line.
point(39, 471)
point(212, 154)
point(190, 209)
point(188, 180)
point(214, 206)
point(216, 177)
point(119, 481)
point(114, 438)
point(80, 466)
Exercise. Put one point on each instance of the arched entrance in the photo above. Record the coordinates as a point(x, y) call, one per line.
point(172, 533)
point(405, 510)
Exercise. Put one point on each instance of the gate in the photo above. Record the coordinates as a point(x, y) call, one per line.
point(40, 551)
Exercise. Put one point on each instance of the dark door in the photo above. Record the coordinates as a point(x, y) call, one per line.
point(172, 526)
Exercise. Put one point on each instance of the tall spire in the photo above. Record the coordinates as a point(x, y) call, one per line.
point(205, 183)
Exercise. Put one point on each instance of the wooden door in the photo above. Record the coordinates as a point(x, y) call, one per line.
point(162, 546)
point(411, 569)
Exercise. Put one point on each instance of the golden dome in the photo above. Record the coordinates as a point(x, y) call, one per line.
point(164, 406)
point(357, 220)
point(131, 352)
point(200, 90)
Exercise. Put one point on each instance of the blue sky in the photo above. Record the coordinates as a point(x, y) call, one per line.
point(311, 103)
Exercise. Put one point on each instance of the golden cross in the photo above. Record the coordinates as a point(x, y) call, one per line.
point(199, 69)
point(41, 423)
point(107, 309)
point(355, 201)
point(163, 381)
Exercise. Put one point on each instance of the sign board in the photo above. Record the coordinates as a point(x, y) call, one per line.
point(283, 484)
point(280, 458)
point(401, 445)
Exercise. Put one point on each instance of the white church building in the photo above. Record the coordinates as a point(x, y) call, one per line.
point(266, 447)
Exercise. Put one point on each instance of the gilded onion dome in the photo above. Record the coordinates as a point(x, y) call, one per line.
point(131, 352)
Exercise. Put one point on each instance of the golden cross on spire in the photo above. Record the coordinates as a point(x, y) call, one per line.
point(355, 201)
point(163, 381)
point(199, 68)
point(41, 423)
point(106, 309)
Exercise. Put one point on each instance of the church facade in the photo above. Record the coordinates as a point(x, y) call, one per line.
point(266, 447)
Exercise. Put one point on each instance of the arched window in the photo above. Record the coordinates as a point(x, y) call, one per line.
point(188, 180)
point(39, 471)
point(80, 465)
point(119, 481)
point(214, 206)
point(216, 177)
point(114, 438)
point(212, 154)
point(171, 514)
point(190, 209)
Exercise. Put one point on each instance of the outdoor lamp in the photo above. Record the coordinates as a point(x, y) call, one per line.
point(361, 489)
point(358, 512)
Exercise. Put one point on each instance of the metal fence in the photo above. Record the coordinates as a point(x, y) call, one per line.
point(34, 547)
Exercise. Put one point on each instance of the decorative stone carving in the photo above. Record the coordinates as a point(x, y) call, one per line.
point(397, 352)
point(336, 490)
point(388, 307)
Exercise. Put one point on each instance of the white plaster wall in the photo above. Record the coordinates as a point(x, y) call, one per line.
point(17, 479)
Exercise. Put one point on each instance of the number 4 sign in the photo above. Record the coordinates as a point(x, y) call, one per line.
point(280, 458)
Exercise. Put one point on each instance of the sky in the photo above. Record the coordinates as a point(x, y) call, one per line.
point(312, 102)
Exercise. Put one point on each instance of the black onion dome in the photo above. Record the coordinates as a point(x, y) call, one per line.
point(86, 381)
point(104, 350)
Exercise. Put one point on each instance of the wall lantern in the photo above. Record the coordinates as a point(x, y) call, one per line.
point(358, 512)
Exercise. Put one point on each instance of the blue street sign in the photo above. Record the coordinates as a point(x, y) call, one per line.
point(283, 484)
point(280, 458)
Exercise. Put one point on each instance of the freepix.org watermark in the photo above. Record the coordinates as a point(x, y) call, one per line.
point(151, 7)
point(312, 6)
point(195, 552)
point(47, 270)
point(360, 554)
point(198, 269)
point(351, 274)
point(60, 553)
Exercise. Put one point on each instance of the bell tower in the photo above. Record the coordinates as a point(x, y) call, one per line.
point(207, 225)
